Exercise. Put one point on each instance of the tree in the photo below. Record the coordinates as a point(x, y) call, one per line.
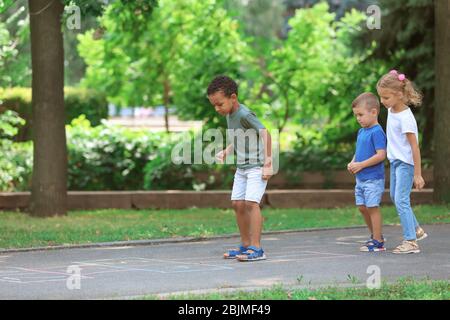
point(312, 77)
point(406, 42)
point(442, 108)
point(169, 60)
point(15, 62)
point(15, 55)
point(49, 182)
point(261, 21)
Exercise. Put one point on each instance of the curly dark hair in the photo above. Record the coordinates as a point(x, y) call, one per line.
point(223, 83)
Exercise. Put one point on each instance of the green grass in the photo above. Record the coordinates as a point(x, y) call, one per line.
point(18, 230)
point(403, 289)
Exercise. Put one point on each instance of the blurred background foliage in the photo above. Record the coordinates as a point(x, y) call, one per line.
point(299, 65)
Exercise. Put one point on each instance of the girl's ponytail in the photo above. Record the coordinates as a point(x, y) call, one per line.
point(398, 82)
point(413, 96)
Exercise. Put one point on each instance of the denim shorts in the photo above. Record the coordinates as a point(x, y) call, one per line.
point(369, 193)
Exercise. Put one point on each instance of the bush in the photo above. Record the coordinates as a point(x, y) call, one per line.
point(162, 174)
point(16, 159)
point(16, 167)
point(77, 101)
point(109, 157)
point(89, 102)
point(312, 154)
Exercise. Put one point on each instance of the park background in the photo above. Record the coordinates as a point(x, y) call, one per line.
point(95, 94)
point(78, 76)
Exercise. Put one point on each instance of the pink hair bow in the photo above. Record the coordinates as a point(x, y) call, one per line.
point(401, 76)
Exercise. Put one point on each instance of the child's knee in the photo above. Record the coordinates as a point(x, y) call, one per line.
point(362, 209)
point(402, 204)
point(373, 210)
point(237, 204)
point(251, 205)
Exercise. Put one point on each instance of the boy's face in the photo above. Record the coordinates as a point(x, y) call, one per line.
point(222, 103)
point(365, 117)
point(390, 98)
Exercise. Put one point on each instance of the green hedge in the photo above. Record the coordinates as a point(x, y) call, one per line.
point(77, 101)
point(313, 154)
point(16, 166)
point(162, 174)
point(16, 159)
point(108, 157)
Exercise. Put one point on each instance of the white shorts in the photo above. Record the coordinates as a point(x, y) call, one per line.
point(248, 185)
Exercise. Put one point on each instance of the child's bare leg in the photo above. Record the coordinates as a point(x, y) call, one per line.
point(365, 213)
point(243, 221)
point(256, 221)
point(377, 222)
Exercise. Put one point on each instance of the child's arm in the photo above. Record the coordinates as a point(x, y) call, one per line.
point(418, 180)
point(224, 153)
point(355, 167)
point(268, 168)
point(229, 149)
point(348, 165)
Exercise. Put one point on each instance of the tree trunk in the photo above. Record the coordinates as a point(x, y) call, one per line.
point(49, 182)
point(166, 99)
point(442, 112)
point(427, 112)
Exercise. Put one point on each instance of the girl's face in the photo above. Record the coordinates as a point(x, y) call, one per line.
point(390, 98)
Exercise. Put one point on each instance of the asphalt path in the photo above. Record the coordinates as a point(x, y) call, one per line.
point(294, 259)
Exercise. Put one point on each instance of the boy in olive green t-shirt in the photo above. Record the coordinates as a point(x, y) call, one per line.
point(254, 165)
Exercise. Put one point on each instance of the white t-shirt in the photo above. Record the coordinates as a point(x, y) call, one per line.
point(398, 124)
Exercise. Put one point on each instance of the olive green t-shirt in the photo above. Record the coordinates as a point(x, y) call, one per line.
point(243, 131)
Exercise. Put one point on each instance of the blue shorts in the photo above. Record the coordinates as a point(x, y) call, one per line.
point(369, 193)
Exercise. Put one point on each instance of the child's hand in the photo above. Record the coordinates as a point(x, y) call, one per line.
point(419, 182)
point(220, 157)
point(355, 167)
point(267, 170)
point(348, 167)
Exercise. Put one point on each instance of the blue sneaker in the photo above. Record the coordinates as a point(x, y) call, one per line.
point(371, 238)
point(373, 246)
point(233, 253)
point(252, 254)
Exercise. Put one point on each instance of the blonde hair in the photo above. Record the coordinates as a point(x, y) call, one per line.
point(398, 82)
